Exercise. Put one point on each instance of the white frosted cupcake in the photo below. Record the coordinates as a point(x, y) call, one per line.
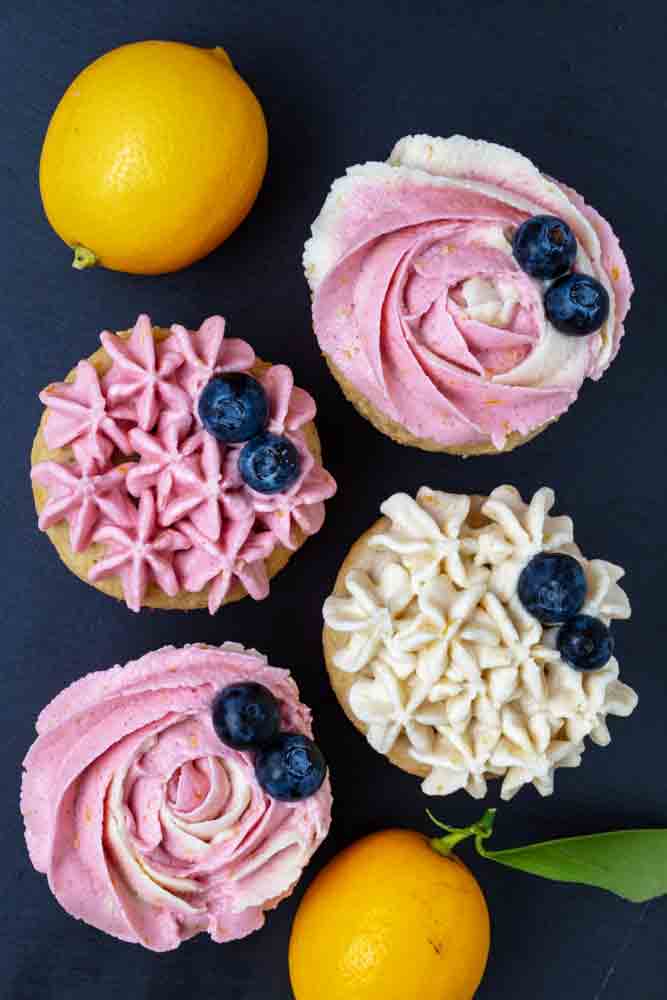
point(469, 639)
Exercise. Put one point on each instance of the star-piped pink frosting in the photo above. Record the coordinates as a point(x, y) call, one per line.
point(139, 553)
point(83, 499)
point(418, 301)
point(176, 512)
point(81, 417)
point(147, 826)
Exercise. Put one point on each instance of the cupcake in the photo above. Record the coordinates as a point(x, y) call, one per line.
point(468, 638)
point(460, 296)
point(174, 469)
point(149, 805)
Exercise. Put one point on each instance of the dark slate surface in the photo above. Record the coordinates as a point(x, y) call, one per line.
point(579, 87)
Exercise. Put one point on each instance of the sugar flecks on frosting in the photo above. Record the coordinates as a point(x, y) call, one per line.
point(420, 304)
point(163, 497)
point(147, 826)
point(449, 665)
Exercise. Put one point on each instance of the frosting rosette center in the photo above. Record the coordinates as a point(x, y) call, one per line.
point(421, 309)
point(463, 306)
point(150, 828)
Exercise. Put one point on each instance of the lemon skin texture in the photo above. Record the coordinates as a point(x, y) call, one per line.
point(154, 155)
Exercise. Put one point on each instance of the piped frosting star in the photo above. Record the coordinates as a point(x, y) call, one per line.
point(139, 553)
point(426, 533)
point(164, 457)
point(82, 498)
point(208, 491)
point(78, 415)
point(140, 378)
point(238, 554)
point(206, 353)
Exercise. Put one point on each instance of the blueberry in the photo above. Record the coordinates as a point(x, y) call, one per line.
point(544, 246)
point(292, 768)
point(585, 643)
point(233, 408)
point(577, 305)
point(246, 716)
point(269, 463)
point(552, 587)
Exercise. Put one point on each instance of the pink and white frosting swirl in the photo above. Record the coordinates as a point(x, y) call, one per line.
point(147, 826)
point(163, 496)
point(420, 304)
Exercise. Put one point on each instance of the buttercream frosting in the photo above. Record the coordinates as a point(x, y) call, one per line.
point(147, 826)
point(145, 480)
point(448, 663)
point(419, 303)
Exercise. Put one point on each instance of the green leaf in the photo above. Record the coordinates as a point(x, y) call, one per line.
point(630, 863)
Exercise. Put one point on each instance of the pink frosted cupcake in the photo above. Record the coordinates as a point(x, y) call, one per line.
point(149, 826)
point(454, 317)
point(174, 469)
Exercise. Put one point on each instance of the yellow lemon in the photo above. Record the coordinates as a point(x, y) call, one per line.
point(153, 156)
point(390, 919)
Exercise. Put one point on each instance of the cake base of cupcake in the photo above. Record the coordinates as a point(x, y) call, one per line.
point(401, 435)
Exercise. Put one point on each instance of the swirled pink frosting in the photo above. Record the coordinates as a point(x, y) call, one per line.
point(418, 301)
point(147, 826)
point(176, 512)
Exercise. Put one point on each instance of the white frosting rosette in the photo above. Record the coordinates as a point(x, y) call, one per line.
point(446, 669)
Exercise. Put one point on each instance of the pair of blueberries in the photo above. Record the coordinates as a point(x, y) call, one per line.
point(552, 588)
point(545, 247)
point(288, 766)
point(234, 409)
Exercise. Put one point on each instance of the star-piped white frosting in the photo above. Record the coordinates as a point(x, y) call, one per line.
point(447, 659)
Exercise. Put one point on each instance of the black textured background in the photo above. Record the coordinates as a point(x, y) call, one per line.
point(579, 87)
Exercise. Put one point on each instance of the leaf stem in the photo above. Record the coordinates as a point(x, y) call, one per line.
point(480, 830)
point(630, 863)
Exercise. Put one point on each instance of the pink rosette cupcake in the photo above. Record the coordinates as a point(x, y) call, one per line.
point(460, 296)
point(151, 828)
point(174, 469)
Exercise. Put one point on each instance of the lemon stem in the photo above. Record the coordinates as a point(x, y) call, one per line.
point(454, 835)
point(83, 258)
